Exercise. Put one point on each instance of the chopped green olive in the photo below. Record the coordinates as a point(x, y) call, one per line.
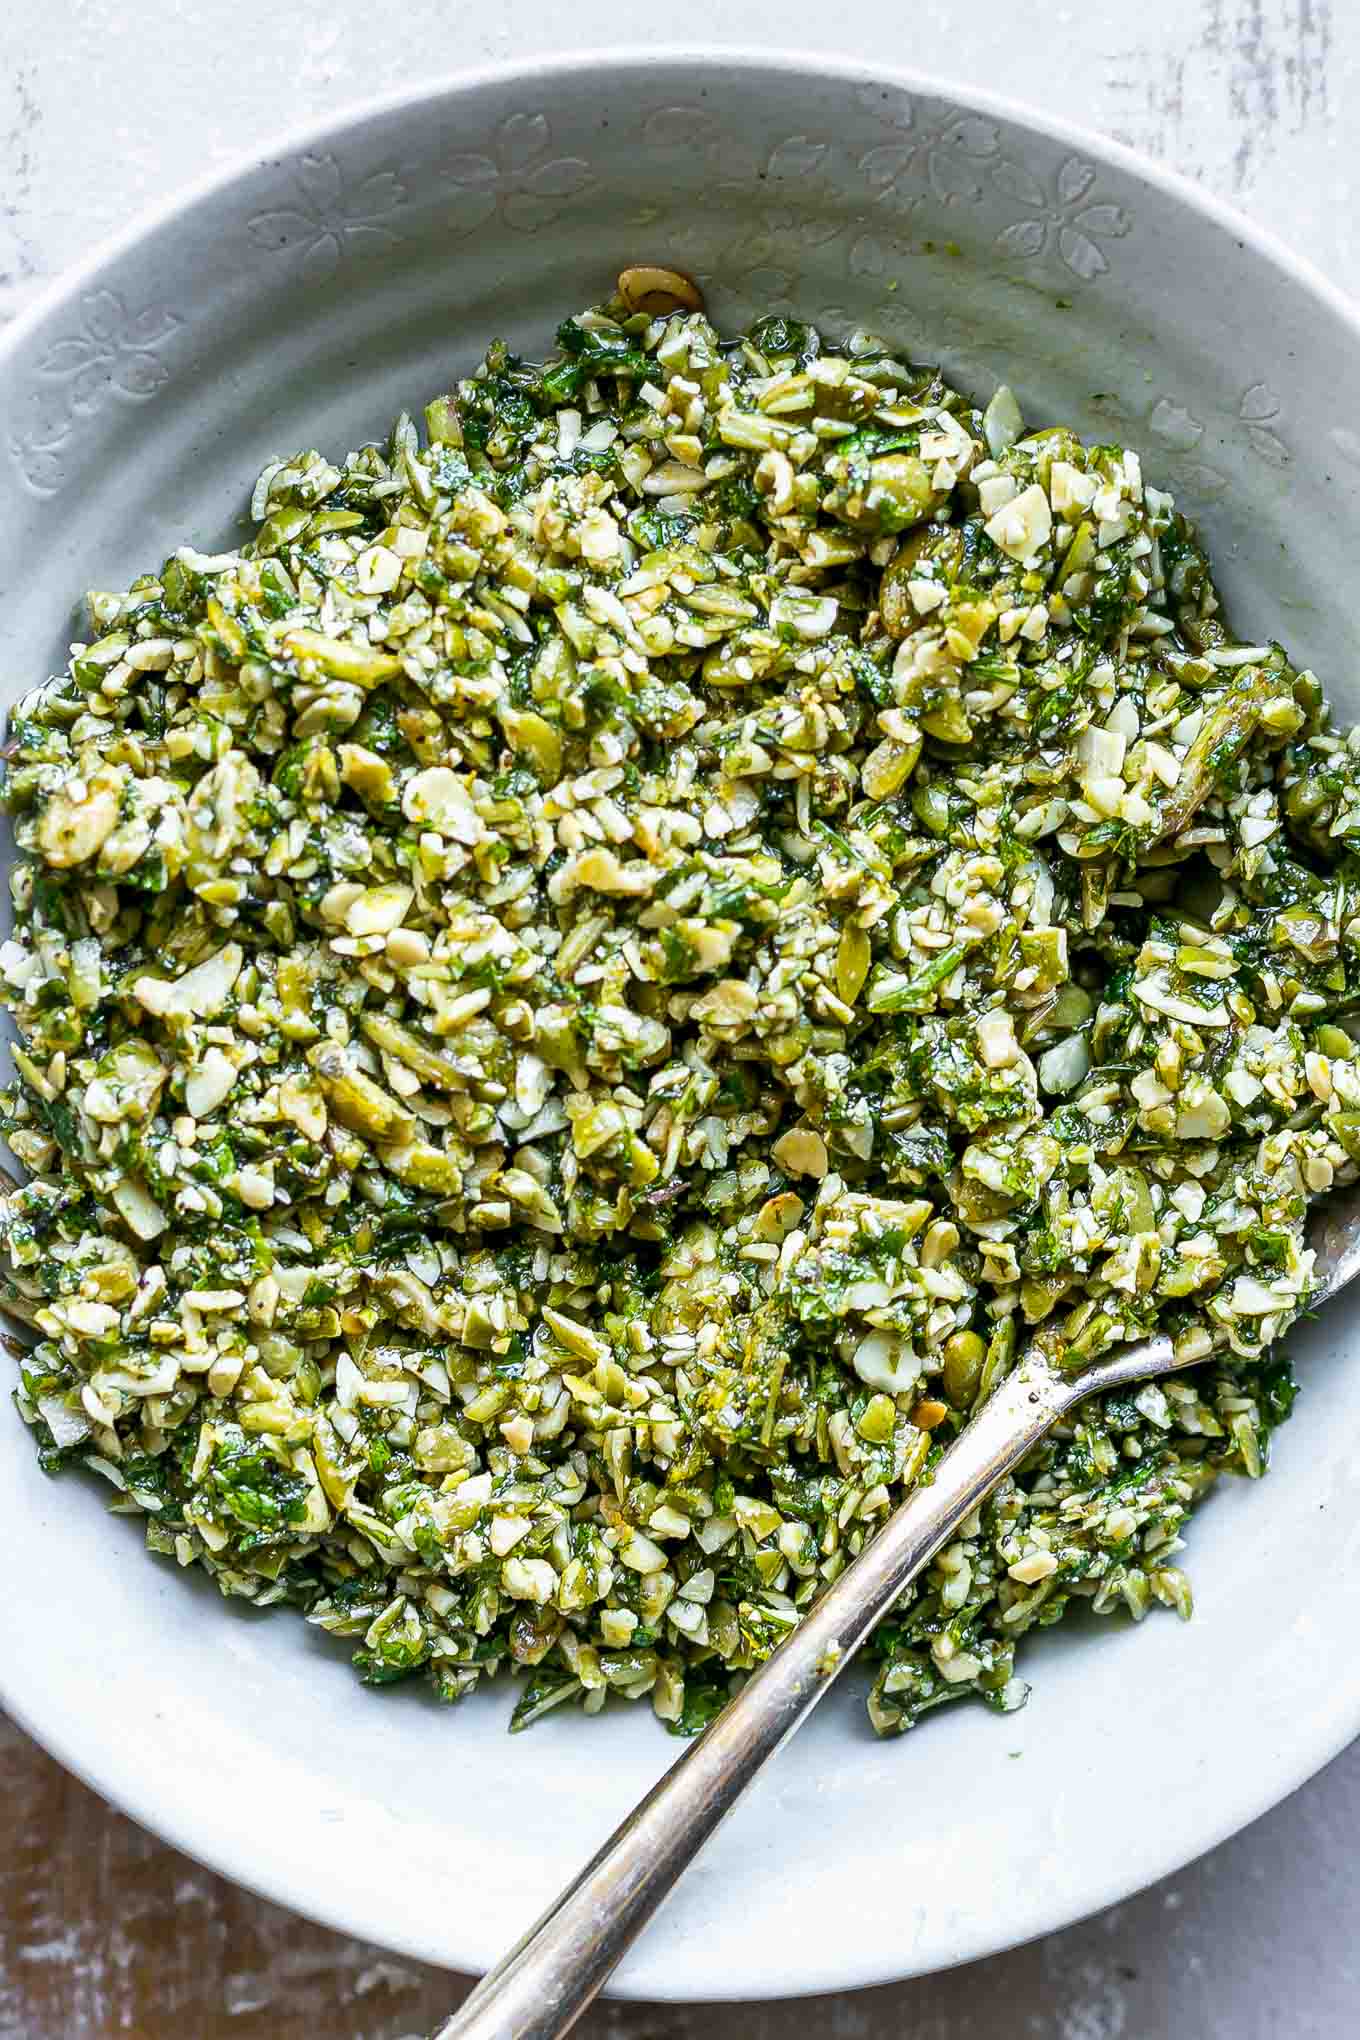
point(583, 997)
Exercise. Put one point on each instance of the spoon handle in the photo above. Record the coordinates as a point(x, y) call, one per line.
point(544, 1984)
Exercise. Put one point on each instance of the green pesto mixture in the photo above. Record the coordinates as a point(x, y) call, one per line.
point(584, 995)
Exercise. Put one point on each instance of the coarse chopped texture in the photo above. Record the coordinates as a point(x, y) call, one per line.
point(582, 997)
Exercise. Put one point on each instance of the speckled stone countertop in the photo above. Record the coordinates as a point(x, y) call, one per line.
point(104, 1931)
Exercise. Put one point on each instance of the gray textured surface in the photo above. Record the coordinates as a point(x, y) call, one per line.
point(1248, 95)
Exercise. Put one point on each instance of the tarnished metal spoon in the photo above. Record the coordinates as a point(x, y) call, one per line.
point(543, 1985)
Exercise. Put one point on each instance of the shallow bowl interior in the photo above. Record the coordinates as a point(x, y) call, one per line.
point(304, 301)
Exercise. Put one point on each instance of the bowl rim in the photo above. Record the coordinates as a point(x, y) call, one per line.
point(120, 1784)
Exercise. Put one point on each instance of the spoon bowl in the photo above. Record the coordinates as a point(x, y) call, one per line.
point(302, 298)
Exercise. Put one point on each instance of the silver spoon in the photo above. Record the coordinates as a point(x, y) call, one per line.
point(542, 1986)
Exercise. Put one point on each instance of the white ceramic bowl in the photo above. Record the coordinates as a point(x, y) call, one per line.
point(301, 301)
